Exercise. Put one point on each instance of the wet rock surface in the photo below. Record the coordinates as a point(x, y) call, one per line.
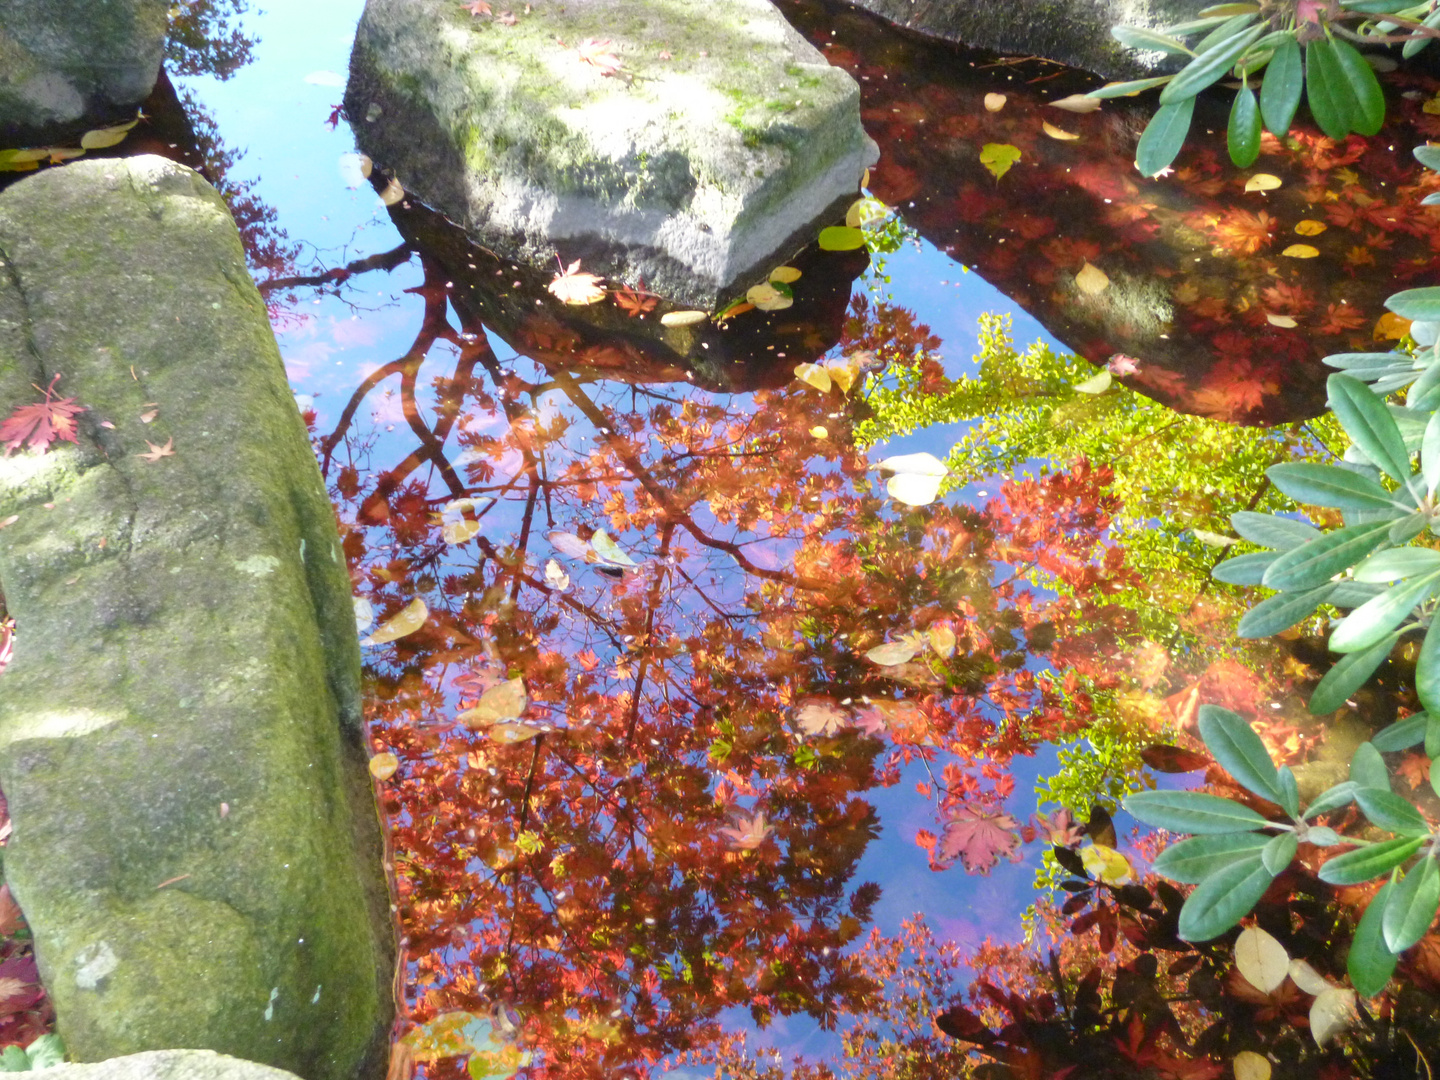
point(688, 145)
point(195, 843)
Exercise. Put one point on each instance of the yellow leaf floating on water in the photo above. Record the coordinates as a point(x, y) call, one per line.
point(843, 373)
point(998, 157)
point(841, 238)
point(682, 318)
point(100, 138)
point(1251, 1066)
point(942, 640)
point(1391, 327)
point(1331, 1013)
point(383, 766)
point(767, 297)
point(609, 551)
point(814, 375)
point(1091, 280)
point(1310, 227)
point(455, 527)
point(820, 432)
point(497, 705)
point(1106, 863)
point(574, 286)
point(393, 193)
point(1096, 384)
point(1308, 979)
point(892, 653)
point(406, 621)
point(512, 733)
point(994, 102)
point(784, 274)
point(1281, 320)
point(1058, 133)
point(916, 480)
point(1432, 106)
point(1261, 960)
point(1076, 103)
point(1262, 182)
point(866, 211)
point(1301, 251)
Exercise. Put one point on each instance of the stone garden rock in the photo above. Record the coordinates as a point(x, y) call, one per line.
point(195, 840)
point(60, 62)
point(688, 144)
point(1073, 32)
point(167, 1065)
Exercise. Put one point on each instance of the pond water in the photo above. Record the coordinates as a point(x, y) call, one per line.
point(712, 751)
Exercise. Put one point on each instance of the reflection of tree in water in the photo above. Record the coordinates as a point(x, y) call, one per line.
point(204, 37)
point(582, 873)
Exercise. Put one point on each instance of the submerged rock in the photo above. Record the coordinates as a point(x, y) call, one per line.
point(59, 65)
point(195, 838)
point(687, 144)
point(168, 1065)
point(1073, 32)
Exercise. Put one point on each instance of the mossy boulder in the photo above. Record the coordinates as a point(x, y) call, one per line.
point(1073, 32)
point(195, 840)
point(687, 144)
point(167, 1065)
point(60, 62)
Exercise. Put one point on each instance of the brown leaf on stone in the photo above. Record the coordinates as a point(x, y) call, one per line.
point(10, 917)
point(158, 452)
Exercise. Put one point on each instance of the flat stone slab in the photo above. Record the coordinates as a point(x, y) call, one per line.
point(195, 842)
point(718, 141)
point(167, 1065)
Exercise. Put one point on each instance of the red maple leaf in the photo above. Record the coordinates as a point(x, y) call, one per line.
point(635, 301)
point(42, 423)
point(978, 837)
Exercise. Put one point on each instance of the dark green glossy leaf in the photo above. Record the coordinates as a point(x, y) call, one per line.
point(1418, 42)
point(1277, 854)
point(1223, 899)
point(1370, 964)
point(1243, 132)
point(1329, 485)
point(1282, 611)
point(1280, 92)
point(1351, 594)
point(1272, 531)
point(1428, 155)
point(1365, 365)
point(1421, 305)
point(1367, 108)
point(1363, 415)
point(1407, 528)
point(1367, 768)
point(1244, 569)
point(1432, 743)
point(1191, 812)
point(1209, 68)
point(1427, 670)
point(1164, 136)
point(1312, 565)
point(1412, 906)
point(1390, 811)
point(1349, 673)
point(1191, 861)
point(1368, 863)
point(1234, 744)
point(1326, 90)
point(1232, 25)
point(1323, 836)
point(1402, 734)
point(1342, 794)
point(1378, 618)
point(1289, 790)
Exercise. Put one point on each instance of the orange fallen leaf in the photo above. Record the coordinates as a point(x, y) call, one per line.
point(599, 53)
point(478, 7)
point(158, 452)
point(1058, 133)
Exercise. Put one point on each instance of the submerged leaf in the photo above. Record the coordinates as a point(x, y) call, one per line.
point(406, 621)
point(1261, 960)
point(1091, 280)
point(498, 704)
point(999, 157)
point(978, 837)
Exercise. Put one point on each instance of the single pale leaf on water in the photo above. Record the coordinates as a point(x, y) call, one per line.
point(383, 766)
point(821, 716)
point(1076, 103)
point(364, 612)
point(815, 376)
point(942, 640)
point(1285, 322)
point(917, 478)
point(1308, 979)
point(863, 212)
point(555, 576)
point(455, 527)
point(100, 138)
point(1091, 280)
point(1060, 133)
point(841, 238)
point(1300, 251)
point(785, 274)
point(406, 621)
point(994, 102)
point(1251, 1066)
point(681, 318)
point(1310, 227)
point(512, 733)
point(1096, 384)
point(1332, 1012)
point(843, 373)
point(819, 432)
point(999, 157)
point(767, 297)
point(575, 287)
point(1262, 182)
point(749, 831)
point(394, 191)
point(497, 705)
point(1261, 959)
point(892, 653)
point(570, 545)
point(610, 551)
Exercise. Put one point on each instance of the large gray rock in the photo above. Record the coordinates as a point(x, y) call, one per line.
point(195, 838)
point(1073, 32)
point(167, 1065)
point(716, 149)
point(60, 62)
